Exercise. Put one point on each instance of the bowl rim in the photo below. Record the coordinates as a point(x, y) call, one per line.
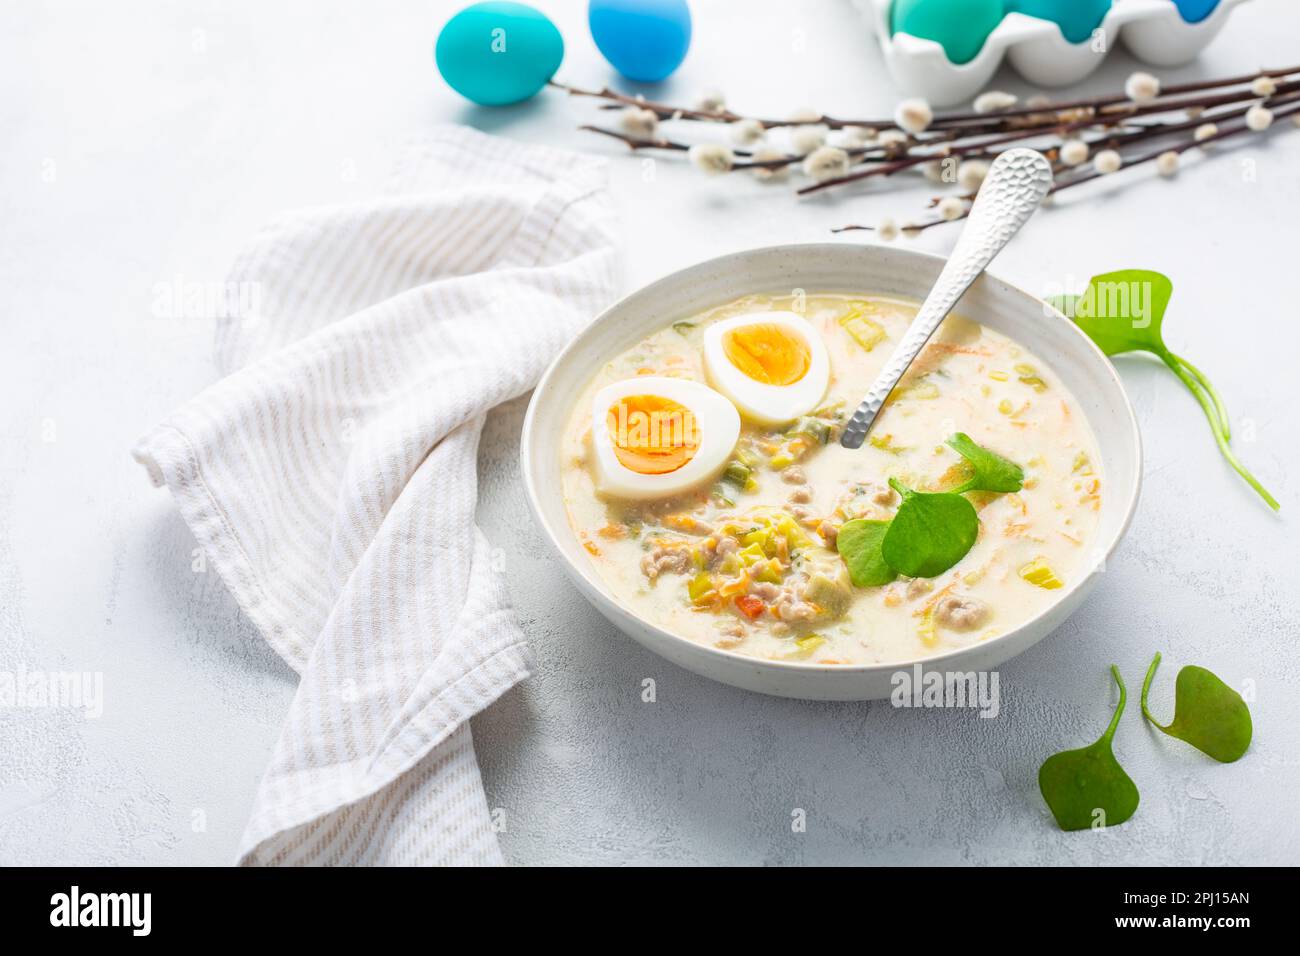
point(591, 586)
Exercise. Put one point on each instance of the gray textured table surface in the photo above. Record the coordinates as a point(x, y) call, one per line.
point(145, 141)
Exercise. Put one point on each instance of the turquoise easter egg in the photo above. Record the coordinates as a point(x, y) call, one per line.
point(498, 53)
point(959, 26)
point(1194, 11)
point(645, 40)
point(1076, 18)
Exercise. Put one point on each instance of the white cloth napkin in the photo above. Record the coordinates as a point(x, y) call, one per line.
point(330, 479)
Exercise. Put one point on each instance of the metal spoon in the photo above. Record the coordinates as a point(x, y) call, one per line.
point(1014, 187)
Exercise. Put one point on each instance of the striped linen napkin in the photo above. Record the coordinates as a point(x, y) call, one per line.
point(330, 480)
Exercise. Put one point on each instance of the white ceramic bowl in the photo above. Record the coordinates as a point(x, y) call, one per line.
point(826, 267)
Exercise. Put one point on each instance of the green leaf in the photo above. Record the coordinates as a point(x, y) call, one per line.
point(1065, 304)
point(1087, 787)
point(1121, 311)
point(1208, 714)
point(930, 533)
point(1124, 312)
point(992, 472)
point(859, 543)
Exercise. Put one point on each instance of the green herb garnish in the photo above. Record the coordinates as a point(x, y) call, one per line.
point(992, 472)
point(1208, 714)
point(1123, 312)
point(1087, 787)
point(683, 328)
point(859, 542)
point(930, 532)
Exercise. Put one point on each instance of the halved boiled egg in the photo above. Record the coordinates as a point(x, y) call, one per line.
point(772, 365)
point(655, 436)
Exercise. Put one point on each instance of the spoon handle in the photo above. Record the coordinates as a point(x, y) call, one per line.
point(1015, 186)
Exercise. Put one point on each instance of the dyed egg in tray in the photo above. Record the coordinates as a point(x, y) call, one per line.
point(947, 50)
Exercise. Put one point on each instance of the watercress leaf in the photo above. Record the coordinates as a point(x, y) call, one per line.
point(1208, 714)
point(930, 533)
point(1065, 304)
point(859, 543)
point(1087, 787)
point(992, 472)
point(1122, 311)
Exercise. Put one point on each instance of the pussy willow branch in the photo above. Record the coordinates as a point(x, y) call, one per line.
point(1178, 148)
point(1019, 117)
point(957, 150)
point(889, 153)
point(1291, 109)
point(637, 142)
point(1059, 130)
point(943, 143)
point(1110, 122)
point(1157, 130)
point(857, 153)
point(1115, 99)
point(1151, 131)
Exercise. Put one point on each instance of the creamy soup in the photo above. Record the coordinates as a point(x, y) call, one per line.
point(726, 533)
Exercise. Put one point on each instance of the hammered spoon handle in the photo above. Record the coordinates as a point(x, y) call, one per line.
point(1014, 187)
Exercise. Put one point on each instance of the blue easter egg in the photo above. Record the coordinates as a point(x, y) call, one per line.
point(959, 26)
point(1076, 18)
point(1194, 11)
point(645, 40)
point(498, 53)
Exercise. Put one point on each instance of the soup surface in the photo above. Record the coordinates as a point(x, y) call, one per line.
point(746, 560)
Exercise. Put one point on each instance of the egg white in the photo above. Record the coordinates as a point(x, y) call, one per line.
point(758, 401)
point(716, 418)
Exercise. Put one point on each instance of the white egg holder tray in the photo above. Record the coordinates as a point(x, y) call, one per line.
point(1153, 30)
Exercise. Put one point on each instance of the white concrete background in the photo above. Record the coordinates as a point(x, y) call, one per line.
point(147, 140)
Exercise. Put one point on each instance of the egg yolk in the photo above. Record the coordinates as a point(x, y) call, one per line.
point(652, 435)
point(767, 353)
